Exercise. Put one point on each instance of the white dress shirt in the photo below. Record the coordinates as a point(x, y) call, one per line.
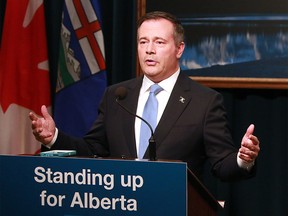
point(162, 97)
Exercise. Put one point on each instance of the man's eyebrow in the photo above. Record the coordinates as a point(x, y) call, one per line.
point(156, 38)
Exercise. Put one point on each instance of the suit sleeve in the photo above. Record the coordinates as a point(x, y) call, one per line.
point(94, 143)
point(219, 144)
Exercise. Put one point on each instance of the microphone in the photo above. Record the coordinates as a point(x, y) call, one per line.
point(120, 94)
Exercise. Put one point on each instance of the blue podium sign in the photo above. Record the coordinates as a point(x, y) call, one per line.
point(31, 185)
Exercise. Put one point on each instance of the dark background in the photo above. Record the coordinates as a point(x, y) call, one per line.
point(212, 7)
point(265, 194)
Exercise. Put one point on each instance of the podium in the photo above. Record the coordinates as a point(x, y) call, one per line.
point(200, 201)
point(34, 185)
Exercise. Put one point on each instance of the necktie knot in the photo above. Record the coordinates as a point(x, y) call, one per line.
point(155, 89)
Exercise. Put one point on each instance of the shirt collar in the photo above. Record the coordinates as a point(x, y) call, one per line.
point(167, 84)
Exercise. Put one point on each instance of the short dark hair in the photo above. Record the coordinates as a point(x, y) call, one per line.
point(155, 15)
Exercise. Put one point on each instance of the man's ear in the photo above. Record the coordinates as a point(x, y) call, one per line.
point(180, 51)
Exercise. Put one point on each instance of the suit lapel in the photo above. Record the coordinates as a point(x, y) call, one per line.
point(130, 102)
point(178, 101)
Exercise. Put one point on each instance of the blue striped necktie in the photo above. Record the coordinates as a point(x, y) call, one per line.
point(150, 115)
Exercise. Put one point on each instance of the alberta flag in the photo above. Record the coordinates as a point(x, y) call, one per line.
point(24, 74)
point(81, 76)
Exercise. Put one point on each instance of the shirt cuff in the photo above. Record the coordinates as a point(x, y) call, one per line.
point(49, 145)
point(243, 164)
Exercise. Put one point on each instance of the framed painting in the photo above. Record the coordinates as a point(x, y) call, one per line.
point(231, 44)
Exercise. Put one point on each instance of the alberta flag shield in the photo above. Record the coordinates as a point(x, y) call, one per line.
point(82, 72)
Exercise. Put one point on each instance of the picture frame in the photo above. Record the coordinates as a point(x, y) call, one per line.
point(270, 72)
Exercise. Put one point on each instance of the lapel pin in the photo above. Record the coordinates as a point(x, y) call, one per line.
point(182, 99)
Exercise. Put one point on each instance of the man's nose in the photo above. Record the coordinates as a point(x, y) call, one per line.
point(150, 49)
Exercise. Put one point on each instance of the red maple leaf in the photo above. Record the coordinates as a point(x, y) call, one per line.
point(24, 74)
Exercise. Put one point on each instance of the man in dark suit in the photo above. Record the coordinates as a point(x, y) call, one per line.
point(192, 123)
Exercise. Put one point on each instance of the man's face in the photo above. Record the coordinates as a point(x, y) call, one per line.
point(157, 51)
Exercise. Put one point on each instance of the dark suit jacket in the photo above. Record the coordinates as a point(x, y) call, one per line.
point(192, 131)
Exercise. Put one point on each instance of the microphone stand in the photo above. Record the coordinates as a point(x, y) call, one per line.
point(152, 142)
point(152, 148)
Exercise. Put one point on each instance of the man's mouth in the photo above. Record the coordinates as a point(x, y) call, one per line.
point(150, 62)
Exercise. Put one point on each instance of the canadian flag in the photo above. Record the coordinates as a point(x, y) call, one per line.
point(24, 74)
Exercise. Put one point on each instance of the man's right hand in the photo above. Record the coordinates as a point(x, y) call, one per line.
point(43, 127)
